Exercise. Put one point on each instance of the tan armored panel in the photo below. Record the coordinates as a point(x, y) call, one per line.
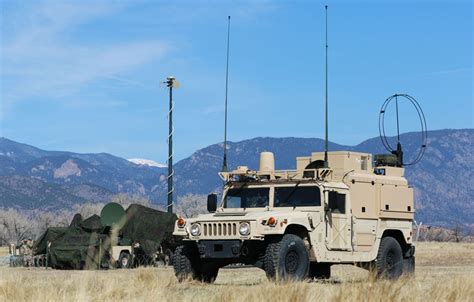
point(346, 161)
point(364, 199)
point(396, 202)
point(340, 162)
point(302, 162)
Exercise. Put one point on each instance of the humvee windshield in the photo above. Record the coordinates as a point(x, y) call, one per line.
point(247, 198)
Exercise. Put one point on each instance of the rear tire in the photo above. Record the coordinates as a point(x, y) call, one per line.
point(287, 259)
point(389, 262)
point(319, 270)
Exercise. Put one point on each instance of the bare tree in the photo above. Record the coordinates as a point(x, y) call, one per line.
point(126, 200)
point(191, 205)
point(14, 226)
point(88, 209)
point(458, 233)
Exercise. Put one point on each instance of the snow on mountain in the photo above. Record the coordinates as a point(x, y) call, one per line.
point(146, 162)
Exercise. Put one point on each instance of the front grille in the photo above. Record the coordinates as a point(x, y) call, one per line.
point(221, 229)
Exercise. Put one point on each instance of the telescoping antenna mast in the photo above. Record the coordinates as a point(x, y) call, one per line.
point(170, 83)
point(224, 164)
point(326, 147)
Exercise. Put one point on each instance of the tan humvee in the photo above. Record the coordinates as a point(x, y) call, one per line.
point(295, 224)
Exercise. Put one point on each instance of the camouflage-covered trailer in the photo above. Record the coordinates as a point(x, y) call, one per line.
point(79, 246)
point(50, 235)
point(42, 244)
point(118, 238)
point(151, 233)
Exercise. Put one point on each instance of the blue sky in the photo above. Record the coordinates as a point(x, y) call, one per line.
point(85, 76)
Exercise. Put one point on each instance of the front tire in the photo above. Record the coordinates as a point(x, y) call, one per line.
point(186, 264)
point(207, 273)
point(287, 259)
point(182, 262)
point(389, 262)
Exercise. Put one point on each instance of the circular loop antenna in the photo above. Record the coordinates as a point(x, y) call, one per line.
point(112, 214)
point(421, 116)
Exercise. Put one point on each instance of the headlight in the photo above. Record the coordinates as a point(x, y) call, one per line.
point(195, 229)
point(244, 229)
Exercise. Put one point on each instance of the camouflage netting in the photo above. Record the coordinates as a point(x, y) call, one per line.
point(149, 227)
point(92, 224)
point(50, 235)
point(79, 246)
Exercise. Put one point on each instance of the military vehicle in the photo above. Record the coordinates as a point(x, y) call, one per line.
point(118, 238)
point(139, 236)
point(337, 207)
point(297, 223)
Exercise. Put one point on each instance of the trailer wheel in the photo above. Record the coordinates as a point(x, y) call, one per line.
point(125, 260)
point(319, 270)
point(287, 259)
point(389, 263)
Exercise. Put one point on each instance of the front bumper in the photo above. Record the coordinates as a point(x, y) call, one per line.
point(219, 249)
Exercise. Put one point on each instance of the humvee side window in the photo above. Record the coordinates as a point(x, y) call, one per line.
point(247, 198)
point(337, 202)
point(297, 196)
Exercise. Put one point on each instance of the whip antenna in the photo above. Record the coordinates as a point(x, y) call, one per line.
point(224, 164)
point(326, 139)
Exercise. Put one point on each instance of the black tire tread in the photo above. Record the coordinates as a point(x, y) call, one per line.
point(385, 244)
point(182, 263)
point(272, 259)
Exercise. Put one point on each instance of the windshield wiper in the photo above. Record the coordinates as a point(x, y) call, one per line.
point(236, 194)
point(292, 192)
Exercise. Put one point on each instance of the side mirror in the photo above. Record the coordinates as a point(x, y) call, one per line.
point(212, 202)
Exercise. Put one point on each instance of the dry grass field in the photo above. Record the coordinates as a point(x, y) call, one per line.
point(445, 272)
point(3, 250)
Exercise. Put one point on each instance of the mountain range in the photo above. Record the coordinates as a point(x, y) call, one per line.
point(31, 178)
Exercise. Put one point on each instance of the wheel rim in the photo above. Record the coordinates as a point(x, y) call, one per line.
point(291, 262)
point(390, 260)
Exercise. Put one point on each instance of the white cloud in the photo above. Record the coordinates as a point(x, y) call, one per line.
point(40, 58)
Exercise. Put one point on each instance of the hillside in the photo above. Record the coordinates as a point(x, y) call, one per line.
point(32, 178)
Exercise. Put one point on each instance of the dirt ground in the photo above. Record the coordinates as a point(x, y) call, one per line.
point(444, 272)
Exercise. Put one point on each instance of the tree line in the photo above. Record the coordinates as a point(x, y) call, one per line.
point(17, 225)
